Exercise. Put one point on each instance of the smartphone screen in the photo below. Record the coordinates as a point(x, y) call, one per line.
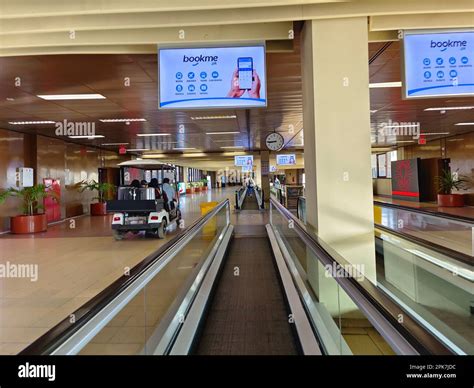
point(245, 66)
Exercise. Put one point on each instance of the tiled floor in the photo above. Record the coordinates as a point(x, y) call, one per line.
point(74, 264)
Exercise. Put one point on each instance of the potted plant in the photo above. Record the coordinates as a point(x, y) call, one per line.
point(31, 220)
point(204, 184)
point(189, 188)
point(103, 193)
point(446, 182)
point(197, 187)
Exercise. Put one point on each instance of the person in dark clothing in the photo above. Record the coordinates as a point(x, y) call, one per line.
point(154, 184)
point(135, 183)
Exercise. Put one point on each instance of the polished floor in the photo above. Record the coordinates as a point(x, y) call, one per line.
point(75, 260)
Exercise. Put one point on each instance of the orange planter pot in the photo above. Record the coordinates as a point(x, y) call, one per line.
point(197, 189)
point(99, 209)
point(450, 200)
point(189, 191)
point(29, 224)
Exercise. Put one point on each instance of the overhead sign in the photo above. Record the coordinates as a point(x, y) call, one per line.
point(286, 160)
point(243, 160)
point(212, 77)
point(247, 168)
point(438, 64)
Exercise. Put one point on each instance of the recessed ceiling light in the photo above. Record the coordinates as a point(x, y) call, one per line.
point(373, 111)
point(10, 99)
point(120, 120)
point(71, 96)
point(31, 122)
point(138, 149)
point(222, 117)
point(114, 144)
point(229, 147)
point(464, 124)
point(434, 133)
point(405, 141)
point(376, 85)
point(450, 108)
point(184, 148)
point(86, 137)
point(153, 134)
point(222, 133)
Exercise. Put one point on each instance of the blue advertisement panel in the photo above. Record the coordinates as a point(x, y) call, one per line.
point(243, 160)
point(438, 64)
point(212, 77)
point(286, 160)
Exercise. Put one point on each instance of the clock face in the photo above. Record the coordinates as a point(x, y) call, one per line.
point(274, 141)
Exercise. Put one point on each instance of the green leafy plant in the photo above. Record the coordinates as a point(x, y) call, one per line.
point(103, 189)
point(31, 198)
point(448, 181)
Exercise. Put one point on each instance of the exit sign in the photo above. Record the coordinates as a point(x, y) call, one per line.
point(122, 150)
point(422, 140)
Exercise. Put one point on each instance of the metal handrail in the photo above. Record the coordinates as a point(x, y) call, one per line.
point(55, 337)
point(378, 307)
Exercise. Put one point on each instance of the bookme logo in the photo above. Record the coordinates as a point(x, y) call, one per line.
point(200, 58)
point(444, 44)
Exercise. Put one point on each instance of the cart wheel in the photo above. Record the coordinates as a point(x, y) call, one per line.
point(161, 231)
point(178, 215)
point(118, 235)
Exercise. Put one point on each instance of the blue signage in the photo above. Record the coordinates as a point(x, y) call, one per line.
point(212, 77)
point(438, 64)
point(243, 160)
point(286, 160)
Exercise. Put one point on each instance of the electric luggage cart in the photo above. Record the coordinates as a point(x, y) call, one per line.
point(137, 209)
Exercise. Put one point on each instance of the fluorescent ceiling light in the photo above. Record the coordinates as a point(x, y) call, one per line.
point(86, 137)
point(184, 148)
point(138, 149)
point(31, 122)
point(232, 147)
point(464, 124)
point(222, 117)
point(120, 120)
point(405, 141)
point(373, 111)
point(450, 108)
point(222, 133)
point(455, 139)
point(376, 85)
point(71, 96)
point(434, 133)
point(114, 144)
point(153, 134)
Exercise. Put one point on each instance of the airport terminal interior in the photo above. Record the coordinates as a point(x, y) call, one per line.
point(237, 178)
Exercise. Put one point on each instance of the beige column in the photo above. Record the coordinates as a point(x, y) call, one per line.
point(337, 142)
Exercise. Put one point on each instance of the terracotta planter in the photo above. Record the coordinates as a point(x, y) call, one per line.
point(189, 191)
point(204, 188)
point(197, 189)
point(29, 224)
point(99, 209)
point(450, 200)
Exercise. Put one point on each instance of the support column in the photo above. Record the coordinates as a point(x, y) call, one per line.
point(337, 150)
point(264, 172)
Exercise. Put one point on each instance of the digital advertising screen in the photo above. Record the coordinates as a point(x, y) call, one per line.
point(243, 160)
point(438, 64)
point(212, 77)
point(247, 168)
point(286, 160)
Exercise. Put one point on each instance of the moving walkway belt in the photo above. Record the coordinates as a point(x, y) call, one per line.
point(247, 314)
point(250, 202)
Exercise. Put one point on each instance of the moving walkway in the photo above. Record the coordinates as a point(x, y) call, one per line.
point(210, 290)
point(249, 198)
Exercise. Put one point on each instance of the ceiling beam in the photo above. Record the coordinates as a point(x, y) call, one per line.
point(225, 33)
point(408, 22)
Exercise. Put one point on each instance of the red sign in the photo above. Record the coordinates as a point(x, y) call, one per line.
point(122, 150)
point(422, 140)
